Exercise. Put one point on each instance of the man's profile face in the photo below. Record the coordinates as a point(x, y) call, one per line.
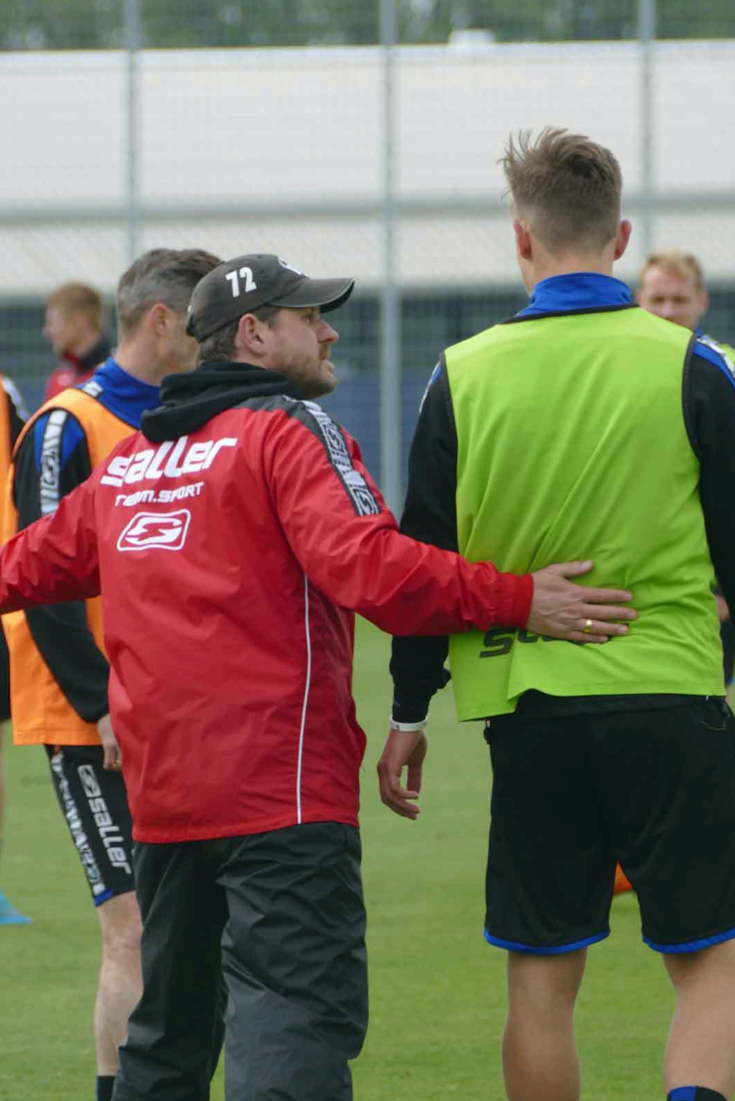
point(300, 343)
point(180, 350)
point(62, 329)
point(674, 297)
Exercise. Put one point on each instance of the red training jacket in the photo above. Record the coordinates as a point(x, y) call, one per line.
point(231, 561)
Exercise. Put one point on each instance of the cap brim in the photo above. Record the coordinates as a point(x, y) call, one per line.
point(328, 294)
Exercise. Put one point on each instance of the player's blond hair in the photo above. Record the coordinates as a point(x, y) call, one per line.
point(78, 298)
point(566, 186)
point(684, 265)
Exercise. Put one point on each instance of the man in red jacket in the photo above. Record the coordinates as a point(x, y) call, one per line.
point(233, 539)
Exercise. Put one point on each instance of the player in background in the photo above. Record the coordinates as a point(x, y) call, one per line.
point(671, 285)
point(59, 667)
point(13, 415)
point(585, 419)
point(74, 329)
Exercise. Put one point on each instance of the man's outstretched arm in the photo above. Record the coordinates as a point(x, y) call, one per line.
point(55, 559)
point(349, 546)
point(50, 463)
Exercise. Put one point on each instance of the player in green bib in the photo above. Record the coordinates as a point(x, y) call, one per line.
point(587, 422)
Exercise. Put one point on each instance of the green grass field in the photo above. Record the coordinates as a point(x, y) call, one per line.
point(437, 989)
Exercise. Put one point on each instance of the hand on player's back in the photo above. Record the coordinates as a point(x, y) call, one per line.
point(563, 609)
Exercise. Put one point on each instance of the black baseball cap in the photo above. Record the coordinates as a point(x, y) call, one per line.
point(246, 283)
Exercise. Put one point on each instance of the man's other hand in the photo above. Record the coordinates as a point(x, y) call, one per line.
point(562, 609)
point(113, 754)
point(403, 748)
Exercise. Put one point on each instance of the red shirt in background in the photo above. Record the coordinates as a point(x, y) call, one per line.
point(73, 370)
point(64, 376)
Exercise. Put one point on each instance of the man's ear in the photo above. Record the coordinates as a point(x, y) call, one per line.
point(623, 236)
point(524, 244)
point(158, 316)
point(249, 336)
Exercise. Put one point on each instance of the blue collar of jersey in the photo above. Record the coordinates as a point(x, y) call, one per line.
point(123, 394)
point(582, 290)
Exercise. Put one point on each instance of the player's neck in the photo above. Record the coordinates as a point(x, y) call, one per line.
point(140, 361)
point(571, 265)
point(83, 345)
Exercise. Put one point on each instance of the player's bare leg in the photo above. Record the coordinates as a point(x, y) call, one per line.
point(120, 983)
point(701, 1047)
point(540, 1059)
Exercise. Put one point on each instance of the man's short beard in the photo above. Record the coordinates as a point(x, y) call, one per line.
point(317, 387)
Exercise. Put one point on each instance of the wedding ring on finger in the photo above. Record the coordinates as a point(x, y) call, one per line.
point(587, 626)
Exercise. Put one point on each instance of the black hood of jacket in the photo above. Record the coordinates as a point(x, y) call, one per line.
point(189, 401)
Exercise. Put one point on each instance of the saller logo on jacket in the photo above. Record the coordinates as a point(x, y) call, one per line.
point(166, 530)
point(170, 460)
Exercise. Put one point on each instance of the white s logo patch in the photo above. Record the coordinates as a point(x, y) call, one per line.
point(165, 530)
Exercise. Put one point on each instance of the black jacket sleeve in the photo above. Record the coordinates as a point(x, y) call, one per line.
point(17, 416)
point(430, 515)
point(17, 412)
point(709, 415)
point(52, 460)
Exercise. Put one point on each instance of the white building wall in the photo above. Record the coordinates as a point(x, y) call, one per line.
point(281, 150)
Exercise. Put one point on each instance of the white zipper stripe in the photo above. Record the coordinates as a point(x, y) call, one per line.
point(306, 699)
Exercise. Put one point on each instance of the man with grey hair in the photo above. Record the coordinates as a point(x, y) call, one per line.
point(59, 666)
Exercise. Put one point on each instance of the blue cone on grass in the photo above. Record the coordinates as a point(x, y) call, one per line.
point(9, 915)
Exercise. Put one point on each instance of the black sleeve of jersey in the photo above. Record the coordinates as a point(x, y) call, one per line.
point(17, 412)
point(17, 416)
point(709, 415)
point(61, 631)
point(430, 515)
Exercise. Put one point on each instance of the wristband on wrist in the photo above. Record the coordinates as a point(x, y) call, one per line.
point(407, 727)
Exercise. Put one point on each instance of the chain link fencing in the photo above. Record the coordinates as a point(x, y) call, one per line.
point(301, 129)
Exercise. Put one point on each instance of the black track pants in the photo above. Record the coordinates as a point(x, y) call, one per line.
point(281, 916)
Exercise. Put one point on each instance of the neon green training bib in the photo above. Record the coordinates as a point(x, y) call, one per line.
point(572, 445)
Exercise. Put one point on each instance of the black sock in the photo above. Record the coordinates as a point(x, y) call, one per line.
point(105, 1086)
point(694, 1093)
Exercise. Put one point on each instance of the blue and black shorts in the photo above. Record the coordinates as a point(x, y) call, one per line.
point(653, 789)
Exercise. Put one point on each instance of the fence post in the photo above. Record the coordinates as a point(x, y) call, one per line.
point(647, 36)
point(390, 321)
point(132, 25)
